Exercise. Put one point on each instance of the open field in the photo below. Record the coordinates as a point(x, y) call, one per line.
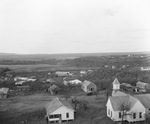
point(23, 108)
point(30, 109)
point(42, 67)
point(30, 67)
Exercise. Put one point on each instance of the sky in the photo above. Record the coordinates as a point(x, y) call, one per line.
point(74, 26)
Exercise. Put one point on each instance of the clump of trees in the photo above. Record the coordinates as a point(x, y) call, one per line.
point(3, 71)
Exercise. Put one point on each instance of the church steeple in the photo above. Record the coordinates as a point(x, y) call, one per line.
point(116, 84)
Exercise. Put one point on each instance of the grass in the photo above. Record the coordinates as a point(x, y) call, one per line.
point(30, 109)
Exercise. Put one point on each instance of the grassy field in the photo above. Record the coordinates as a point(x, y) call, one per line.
point(30, 109)
point(43, 67)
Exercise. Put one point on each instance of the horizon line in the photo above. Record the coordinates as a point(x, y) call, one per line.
point(4, 53)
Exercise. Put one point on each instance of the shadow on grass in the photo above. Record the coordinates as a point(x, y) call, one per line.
point(13, 117)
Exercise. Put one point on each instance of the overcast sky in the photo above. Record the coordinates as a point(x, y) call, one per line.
point(74, 26)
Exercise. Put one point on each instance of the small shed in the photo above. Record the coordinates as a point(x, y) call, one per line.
point(62, 74)
point(142, 86)
point(19, 83)
point(4, 93)
point(88, 86)
point(53, 89)
point(72, 81)
point(126, 87)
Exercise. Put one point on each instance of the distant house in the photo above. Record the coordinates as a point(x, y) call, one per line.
point(125, 108)
point(106, 66)
point(20, 83)
point(50, 81)
point(20, 79)
point(53, 89)
point(90, 71)
point(83, 72)
point(31, 79)
point(62, 74)
point(142, 86)
point(113, 67)
point(126, 87)
point(145, 68)
point(59, 110)
point(23, 88)
point(88, 86)
point(74, 81)
point(3, 92)
point(24, 79)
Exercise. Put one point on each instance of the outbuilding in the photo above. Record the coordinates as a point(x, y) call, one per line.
point(88, 86)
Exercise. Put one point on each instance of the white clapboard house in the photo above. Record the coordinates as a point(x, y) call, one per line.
point(59, 110)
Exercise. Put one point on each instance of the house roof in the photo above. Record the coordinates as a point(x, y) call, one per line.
point(86, 83)
point(126, 84)
point(50, 80)
point(142, 83)
point(55, 104)
point(144, 99)
point(75, 80)
point(4, 90)
point(119, 93)
point(120, 102)
point(116, 81)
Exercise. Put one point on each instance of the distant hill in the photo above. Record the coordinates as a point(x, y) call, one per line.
point(7, 53)
point(39, 57)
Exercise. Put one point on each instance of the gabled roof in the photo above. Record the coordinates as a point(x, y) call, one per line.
point(116, 81)
point(118, 93)
point(86, 83)
point(4, 90)
point(55, 104)
point(75, 80)
point(142, 83)
point(120, 102)
point(144, 99)
point(127, 85)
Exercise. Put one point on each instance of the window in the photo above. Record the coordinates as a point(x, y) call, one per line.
point(111, 113)
point(55, 116)
point(140, 115)
point(119, 114)
point(67, 115)
point(108, 112)
point(134, 115)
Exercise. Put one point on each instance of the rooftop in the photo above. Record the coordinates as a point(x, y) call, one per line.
point(55, 104)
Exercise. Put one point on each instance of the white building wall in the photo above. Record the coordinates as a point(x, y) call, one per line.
point(110, 112)
point(63, 110)
point(116, 86)
point(84, 88)
point(137, 108)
